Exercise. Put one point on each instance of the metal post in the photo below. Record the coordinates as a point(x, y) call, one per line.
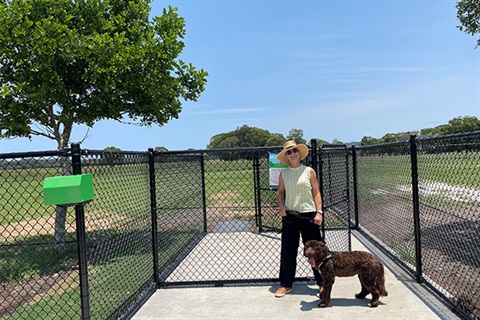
point(204, 197)
point(313, 146)
point(153, 208)
point(355, 186)
point(81, 239)
point(258, 199)
point(416, 208)
point(317, 163)
point(347, 197)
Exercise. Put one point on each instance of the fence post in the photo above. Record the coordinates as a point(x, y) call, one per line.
point(355, 186)
point(81, 239)
point(257, 192)
point(416, 208)
point(313, 146)
point(319, 170)
point(153, 208)
point(204, 197)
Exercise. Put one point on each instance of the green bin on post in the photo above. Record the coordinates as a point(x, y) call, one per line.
point(68, 190)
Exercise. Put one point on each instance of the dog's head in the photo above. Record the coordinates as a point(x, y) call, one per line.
point(316, 252)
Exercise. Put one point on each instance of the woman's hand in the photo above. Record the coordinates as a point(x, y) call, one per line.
point(318, 219)
point(283, 211)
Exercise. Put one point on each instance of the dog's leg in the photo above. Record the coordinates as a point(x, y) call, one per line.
point(368, 282)
point(364, 292)
point(325, 296)
point(320, 295)
point(374, 302)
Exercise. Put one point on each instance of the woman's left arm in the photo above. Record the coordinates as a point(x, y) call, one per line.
point(317, 197)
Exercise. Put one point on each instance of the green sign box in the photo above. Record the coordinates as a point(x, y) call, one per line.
point(68, 190)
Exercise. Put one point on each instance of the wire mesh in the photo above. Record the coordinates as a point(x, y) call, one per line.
point(119, 231)
point(233, 236)
point(449, 195)
point(219, 239)
point(448, 201)
point(217, 222)
point(267, 207)
point(334, 180)
point(385, 198)
point(38, 254)
point(181, 209)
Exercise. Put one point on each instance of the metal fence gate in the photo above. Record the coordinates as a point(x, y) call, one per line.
point(212, 236)
point(335, 186)
point(225, 228)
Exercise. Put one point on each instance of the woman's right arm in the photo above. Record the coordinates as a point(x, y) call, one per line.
point(280, 197)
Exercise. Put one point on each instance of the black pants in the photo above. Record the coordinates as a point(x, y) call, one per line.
point(292, 228)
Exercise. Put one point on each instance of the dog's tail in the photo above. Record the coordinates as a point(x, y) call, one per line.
point(381, 286)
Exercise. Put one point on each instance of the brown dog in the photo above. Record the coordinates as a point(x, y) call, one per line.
point(333, 264)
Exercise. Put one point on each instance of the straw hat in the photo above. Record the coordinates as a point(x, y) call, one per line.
point(289, 145)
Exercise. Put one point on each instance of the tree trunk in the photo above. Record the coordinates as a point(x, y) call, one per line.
point(60, 231)
point(61, 211)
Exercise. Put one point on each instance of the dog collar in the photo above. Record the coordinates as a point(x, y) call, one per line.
point(327, 258)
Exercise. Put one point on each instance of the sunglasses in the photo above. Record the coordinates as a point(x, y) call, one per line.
point(289, 152)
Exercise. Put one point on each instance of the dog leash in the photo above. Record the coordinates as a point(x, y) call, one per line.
point(302, 215)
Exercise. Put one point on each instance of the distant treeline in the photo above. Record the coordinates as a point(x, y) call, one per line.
point(456, 125)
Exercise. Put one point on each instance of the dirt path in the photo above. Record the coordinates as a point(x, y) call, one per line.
point(15, 295)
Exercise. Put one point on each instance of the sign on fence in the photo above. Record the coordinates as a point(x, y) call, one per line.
point(275, 169)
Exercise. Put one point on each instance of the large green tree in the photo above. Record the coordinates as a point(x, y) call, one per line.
point(245, 136)
point(296, 135)
point(64, 62)
point(455, 125)
point(468, 13)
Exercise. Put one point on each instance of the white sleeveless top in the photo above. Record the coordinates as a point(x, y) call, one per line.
point(298, 189)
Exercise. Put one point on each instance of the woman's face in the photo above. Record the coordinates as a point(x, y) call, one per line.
point(293, 155)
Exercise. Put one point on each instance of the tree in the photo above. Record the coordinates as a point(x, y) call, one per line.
point(321, 142)
point(64, 62)
point(161, 148)
point(296, 135)
point(112, 148)
point(468, 13)
point(455, 125)
point(463, 124)
point(110, 158)
point(368, 140)
point(276, 139)
point(399, 136)
point(245, 136)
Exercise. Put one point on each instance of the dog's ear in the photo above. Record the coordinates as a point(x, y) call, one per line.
point(321, 250)
point(310, 243)
point(323, 246)
point(318, 244)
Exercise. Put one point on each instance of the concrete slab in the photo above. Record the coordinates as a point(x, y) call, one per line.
point(238, 255)
point(406, 300)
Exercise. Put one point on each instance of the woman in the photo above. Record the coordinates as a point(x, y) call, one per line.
point(298, 190)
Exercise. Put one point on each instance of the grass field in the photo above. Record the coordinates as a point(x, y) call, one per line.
point(441, 177)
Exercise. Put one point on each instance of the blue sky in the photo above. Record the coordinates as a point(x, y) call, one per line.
point(335, 69)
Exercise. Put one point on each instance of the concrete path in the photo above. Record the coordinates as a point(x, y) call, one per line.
point(406, 300)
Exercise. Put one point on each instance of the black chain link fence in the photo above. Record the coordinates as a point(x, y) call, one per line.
point(218, 218)
point(334, 182)
point(419, 200)
point(210, 217)
point(38, 268)
point(118, 227)
point(157, 219)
